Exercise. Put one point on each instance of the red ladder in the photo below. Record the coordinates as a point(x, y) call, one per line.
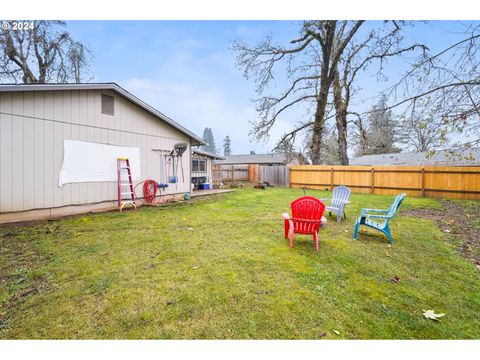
point(124, 164)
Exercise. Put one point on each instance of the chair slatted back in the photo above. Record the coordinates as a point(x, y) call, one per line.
point(340, 195)
point(396, 204)
point(307, 212)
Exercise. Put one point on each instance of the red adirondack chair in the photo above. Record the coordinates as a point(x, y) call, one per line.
point(307, 214)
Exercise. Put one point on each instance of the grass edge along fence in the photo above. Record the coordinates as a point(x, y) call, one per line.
point(452, 182)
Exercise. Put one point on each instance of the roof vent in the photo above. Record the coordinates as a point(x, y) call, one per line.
point(108, 105)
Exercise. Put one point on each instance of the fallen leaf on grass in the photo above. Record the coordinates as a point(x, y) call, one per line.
point(384, 307)
point(430, 314)
point(387, 254)
point(190, 229)
point(336, 332)
point(395, 280)
point(389, 245)
point(447, 231)
point(322, 334)
point(195, 267)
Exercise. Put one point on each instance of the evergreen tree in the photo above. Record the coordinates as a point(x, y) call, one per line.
point(208, 137)
point(227, 150)
point(380, 134)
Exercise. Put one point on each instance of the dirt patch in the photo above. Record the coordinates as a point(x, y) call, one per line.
point(454, 222)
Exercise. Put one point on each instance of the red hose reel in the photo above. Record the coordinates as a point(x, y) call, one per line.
point(150, 188)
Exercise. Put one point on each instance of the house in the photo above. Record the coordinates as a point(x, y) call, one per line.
point(202, 168)
point(260, 159)
point(59, 144)
point(468, 157)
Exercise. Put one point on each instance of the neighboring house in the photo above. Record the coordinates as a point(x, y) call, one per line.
point(260, 159)
point(202, 167)
point(57, 142)
point(469, 157)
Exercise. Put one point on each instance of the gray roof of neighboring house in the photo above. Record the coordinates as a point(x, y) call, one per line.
point(104, 86)
point(468, 157)
point(274, 158)
point(206, 153)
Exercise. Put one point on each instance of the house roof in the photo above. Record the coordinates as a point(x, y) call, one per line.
point(274, 158)
point(468, 157)
point(105, 86)
point(209, 154)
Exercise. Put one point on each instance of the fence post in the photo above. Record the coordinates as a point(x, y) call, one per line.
point(253, 173)
point(372, 181)
point(422, 181)
point(289, 176)
point(331, 179)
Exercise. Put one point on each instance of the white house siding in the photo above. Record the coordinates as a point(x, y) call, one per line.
point(33, 126)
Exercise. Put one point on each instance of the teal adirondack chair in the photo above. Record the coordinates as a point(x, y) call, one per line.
point(385, 215)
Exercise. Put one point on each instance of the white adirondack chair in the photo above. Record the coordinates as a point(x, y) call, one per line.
point(340, 196)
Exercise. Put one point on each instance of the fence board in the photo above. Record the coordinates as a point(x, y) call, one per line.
point(277, 175)
point(454, 182)
point(229, 173)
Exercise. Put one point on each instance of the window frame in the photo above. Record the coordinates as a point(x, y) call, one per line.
point(198, 168)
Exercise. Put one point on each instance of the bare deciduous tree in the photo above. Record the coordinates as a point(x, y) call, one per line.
point(450, 81)
point(423, 129)
point(311, 61)
point(379, 44)
point(42, 54)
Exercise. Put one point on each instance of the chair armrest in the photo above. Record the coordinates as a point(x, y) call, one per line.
point(286, 216)
point(324, 200)
point(375, 216)
point(374, 211)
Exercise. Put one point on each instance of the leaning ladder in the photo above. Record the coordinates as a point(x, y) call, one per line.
point(124, 186)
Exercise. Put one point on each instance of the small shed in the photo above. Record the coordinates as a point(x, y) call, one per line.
point(202, 175)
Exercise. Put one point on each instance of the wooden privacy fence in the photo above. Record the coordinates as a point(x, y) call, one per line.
point(230, 173)
point(276, 175)
point(453, 182)
point(253, 173)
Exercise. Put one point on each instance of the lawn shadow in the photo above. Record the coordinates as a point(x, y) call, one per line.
point(370, 237)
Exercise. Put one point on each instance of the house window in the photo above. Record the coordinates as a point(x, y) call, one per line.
point(199, 165)
point(108, 105)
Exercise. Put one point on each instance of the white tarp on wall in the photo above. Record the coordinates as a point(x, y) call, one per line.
point(93, 162)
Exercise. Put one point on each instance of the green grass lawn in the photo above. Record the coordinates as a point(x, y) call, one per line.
point(220, 268)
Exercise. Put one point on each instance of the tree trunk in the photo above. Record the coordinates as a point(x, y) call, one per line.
point(318, 130)
point(341, 121)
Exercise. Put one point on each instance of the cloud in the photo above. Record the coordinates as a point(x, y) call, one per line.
point(199, 89)
point(197, 107)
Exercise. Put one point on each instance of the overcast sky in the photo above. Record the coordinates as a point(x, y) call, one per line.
point(186, 69)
